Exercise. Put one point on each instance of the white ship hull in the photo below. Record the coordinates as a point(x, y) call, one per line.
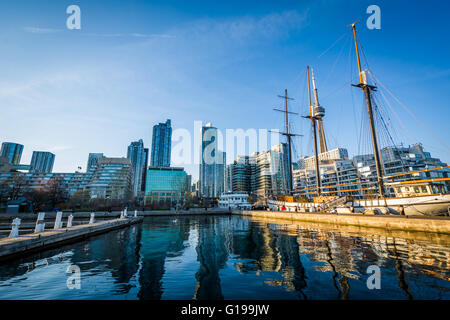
point(431, 205)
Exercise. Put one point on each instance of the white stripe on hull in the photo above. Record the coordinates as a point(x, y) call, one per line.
point(426, 205)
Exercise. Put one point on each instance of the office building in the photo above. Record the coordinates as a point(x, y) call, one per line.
point(161, 145)
point(241, 175)
point(110, 179)
point(144, 169)
point(93, 160)
point(213, 164)
point(272, 172)
point(165, 185)
point(42, 162)
point(12, 151)
point(39, 181)
point(357, 177)
point(399, 160)
point(136, 153)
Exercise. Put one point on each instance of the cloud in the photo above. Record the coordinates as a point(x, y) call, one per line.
point(59, 148)
point(270, 26)
point(37, 82)
point(132, 35)
point(38, 30)
point(41, 30)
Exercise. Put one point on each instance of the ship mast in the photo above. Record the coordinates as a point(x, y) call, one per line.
point(367, 89)
point(289, 136)
point(319, 113)
point(313, 123)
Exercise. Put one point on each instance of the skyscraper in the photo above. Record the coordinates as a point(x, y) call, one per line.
point(161, 145)
point(42, 162)
point(110, 179)
point(144, 170)
point(93, 160)
point(273, 171)
point(165, 185)
point(136, 154)
point(13, 151)
point(212, 167)
point(241, 175)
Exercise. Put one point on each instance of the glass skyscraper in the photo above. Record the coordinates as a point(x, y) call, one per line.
point(42, 162)
point(144, 171)
point(136, 153)
point(93, 160)
point(161, 145)
point(109, 179)
point(213, 162)
point(165, 185)
point(12, 151)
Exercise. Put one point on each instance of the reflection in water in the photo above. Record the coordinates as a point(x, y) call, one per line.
point(400, 274)
point(160, 239)
point(236, 258)
point(212, 254)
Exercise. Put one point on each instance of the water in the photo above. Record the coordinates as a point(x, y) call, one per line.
point(236, 258)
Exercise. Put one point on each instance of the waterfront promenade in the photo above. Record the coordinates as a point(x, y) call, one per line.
point(26, 243)
point(389, 222)
point(107, 221)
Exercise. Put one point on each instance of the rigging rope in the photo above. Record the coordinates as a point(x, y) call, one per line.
point(411, 113)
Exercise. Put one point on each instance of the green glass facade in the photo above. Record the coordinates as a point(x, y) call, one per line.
point(164, 184)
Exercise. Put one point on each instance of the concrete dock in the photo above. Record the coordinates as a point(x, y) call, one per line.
point(389, 222)
point(50, 216)
point(13, 247)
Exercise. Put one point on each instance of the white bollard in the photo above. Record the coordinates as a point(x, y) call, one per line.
point(135, 213)
point(69, 221)
point(40, 225)
point(58, 220)
point(15, 228)
point(92, 220)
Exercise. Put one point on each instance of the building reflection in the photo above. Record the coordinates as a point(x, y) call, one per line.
point(116, 252)
point(281, 256)
point(212, 254)
point(159, 240)
point(263, 247)
point(277, 247)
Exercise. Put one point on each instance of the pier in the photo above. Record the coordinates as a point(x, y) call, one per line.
point(13, 247)
point(389, 222)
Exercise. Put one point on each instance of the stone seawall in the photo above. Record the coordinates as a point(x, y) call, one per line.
point(423, 224)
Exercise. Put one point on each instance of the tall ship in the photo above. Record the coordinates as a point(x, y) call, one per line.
point(402, 193)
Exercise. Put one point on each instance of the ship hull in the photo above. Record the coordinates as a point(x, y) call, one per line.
point(433, 205)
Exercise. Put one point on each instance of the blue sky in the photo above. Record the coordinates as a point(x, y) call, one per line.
point(136, 63)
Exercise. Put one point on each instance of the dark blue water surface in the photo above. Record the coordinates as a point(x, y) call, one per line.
point(235, 258)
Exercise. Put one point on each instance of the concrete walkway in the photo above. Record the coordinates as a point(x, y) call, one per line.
point(114, 214)
point(12, 247)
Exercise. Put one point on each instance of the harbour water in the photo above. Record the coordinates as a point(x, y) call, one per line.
point(232, 257)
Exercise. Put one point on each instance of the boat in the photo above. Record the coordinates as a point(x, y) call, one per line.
point(410, 197)
point(234, 200)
